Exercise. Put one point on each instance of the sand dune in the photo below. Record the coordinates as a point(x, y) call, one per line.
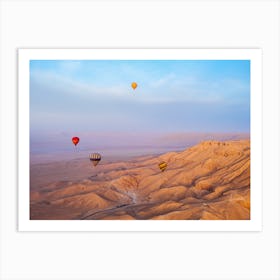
point(208, 181)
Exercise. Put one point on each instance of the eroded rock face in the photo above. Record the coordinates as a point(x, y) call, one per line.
point(208, 181)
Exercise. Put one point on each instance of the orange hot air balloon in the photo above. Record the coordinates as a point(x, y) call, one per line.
point(75, 140)
point(134, 85)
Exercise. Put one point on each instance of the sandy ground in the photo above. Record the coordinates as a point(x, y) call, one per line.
point(208, 181)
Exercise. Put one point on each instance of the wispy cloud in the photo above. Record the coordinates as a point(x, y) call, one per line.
point(164, 81)
point(170, 88)
point(65, 86)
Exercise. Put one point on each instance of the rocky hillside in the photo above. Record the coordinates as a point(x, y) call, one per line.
point(208, 181)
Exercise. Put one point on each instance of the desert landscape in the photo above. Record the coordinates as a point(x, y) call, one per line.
point(208, 181)
point(143, 139)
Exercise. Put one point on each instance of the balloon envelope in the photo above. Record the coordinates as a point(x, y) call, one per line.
point(95, 158)
point(134, 85)
point(162, 166)
point(75, 140)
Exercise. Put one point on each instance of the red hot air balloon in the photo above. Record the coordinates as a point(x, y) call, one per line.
point(75, 140)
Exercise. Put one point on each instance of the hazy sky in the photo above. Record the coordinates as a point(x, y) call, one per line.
point(72, 97)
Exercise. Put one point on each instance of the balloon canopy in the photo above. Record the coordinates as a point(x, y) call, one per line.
point(162, 166)
point(75, 140)
point(95, 158)
point(134, 85)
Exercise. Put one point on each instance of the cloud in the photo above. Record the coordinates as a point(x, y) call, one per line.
point(63, 85)
point(164, 81)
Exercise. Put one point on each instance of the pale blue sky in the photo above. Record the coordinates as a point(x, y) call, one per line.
point(72, 97)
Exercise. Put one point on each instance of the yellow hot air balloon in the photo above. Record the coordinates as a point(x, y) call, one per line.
point(162, 166)
point(134, 85)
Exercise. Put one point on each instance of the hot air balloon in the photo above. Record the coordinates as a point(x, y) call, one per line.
point(75, 140)
point(162, 166)
point(95, 158)
point(134, 85)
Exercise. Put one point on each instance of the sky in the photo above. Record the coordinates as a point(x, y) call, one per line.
point(95, 97)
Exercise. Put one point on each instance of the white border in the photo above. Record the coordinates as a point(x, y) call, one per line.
point(254, 55)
